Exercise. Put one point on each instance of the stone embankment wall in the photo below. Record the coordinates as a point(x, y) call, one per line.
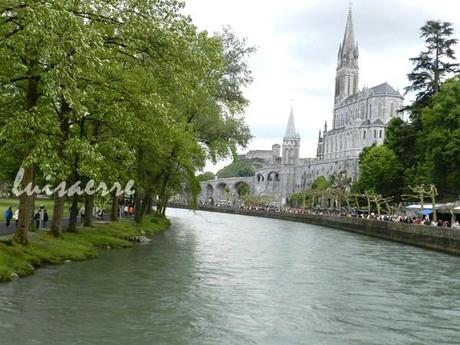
point(436, 238)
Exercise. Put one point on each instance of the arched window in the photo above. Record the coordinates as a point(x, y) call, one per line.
point(273, 176)
point(364, 134)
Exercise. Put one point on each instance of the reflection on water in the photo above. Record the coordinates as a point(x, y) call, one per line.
point(226, 279)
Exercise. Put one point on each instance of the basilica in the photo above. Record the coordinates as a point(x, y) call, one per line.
point(360, 118)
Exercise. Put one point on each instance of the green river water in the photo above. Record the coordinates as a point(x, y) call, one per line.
point(236, 280)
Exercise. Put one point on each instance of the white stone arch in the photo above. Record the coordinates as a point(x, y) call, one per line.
point(273, 176)
point(260, 178)
point(220, 191)
point(238, 186)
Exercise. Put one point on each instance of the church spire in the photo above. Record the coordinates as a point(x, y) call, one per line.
point(349, 36)
point(290, 129)
point(291, 142)
point(347, 77)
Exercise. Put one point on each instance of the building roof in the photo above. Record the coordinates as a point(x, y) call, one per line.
point(378, 122)
point(385, 89)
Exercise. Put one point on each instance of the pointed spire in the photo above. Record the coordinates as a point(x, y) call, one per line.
point(290, 129)
point(349, 36)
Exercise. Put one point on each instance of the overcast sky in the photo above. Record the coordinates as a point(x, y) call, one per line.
point(297, 43)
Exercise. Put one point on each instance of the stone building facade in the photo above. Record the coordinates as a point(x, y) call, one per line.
point(360, 119)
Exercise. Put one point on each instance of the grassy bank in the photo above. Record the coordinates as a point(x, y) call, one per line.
point(87, 243)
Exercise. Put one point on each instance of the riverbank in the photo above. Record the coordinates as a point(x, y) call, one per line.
point(441, 239)
point(18, 261)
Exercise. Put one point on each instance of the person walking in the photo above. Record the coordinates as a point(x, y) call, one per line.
point(45, 217)
point(82, 214)
point(42, 216)
point(16, 216)
point(8, 216)
point(37, 219)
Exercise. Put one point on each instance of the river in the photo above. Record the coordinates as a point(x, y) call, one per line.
point(237, 280)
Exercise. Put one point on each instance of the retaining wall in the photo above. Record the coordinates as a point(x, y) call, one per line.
point(446, 240)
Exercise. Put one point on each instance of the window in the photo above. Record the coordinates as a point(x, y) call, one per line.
point(375, 133)
point(364, 134)
point(380, 134)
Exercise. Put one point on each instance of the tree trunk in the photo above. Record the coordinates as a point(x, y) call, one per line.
point(73, 218)
point(146, 202)
point(59, 202)
point(88, 218)
point(25, 201)
point(138, 214)
point(149, 206)
point(25, 208)
point(159, 208)
point(114, 212)
point(433, 206)
point(58, 213)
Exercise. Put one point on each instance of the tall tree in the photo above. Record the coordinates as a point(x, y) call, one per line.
point(435, 63)
point(431, 68)
point(441, 139)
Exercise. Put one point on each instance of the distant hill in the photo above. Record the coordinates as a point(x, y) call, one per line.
point(241, 168)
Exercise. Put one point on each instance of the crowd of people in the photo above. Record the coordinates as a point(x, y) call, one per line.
point(414, 219)
point(40, 217)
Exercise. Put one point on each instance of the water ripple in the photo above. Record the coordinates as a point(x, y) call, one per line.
point(224, 279)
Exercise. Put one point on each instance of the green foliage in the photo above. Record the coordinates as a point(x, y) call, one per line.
point(434, 63)
point(425, 146)
point(206, 176)
point(441, 138)
point(238, 168)
point(321, 183)
point(380, 171)
point(117, 90)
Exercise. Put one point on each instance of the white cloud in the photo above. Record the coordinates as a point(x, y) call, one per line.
point(297, 43)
